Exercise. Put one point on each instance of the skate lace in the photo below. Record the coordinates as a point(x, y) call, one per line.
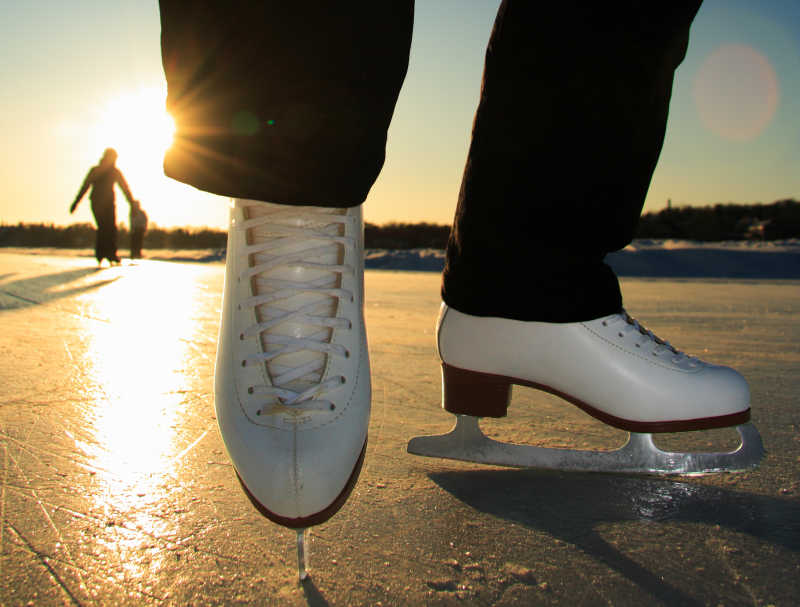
point(645, 338)
point(291, 239)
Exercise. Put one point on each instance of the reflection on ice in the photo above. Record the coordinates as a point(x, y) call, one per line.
point(661, 500)
point(136, 515)
point(139, 333)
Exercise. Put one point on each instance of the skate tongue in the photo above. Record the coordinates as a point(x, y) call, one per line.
point(303, 263)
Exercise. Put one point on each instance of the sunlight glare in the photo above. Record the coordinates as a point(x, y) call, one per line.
point(139, 357)
point(137, 125)
point(140, 331)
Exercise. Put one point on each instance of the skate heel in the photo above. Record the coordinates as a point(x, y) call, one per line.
point(474, 393)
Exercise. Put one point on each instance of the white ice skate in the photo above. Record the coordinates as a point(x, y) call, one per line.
point(292, 380)
point(612, 368)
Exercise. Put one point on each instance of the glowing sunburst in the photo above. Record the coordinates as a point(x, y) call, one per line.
point(137, 125)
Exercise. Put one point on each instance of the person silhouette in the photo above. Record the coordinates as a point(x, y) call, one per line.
point(101, 178)
point(138, 225)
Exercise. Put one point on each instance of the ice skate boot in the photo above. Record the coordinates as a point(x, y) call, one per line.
point(611, 367)
point(292, 380)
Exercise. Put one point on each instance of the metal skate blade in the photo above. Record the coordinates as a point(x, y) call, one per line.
point(303, 554)
point(466, 442)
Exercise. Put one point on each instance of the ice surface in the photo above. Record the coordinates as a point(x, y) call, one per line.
point(115, 487)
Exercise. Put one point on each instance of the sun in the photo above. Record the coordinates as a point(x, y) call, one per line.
point(137, 125)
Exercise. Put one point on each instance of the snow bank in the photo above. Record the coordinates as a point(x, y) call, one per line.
point(651, 258)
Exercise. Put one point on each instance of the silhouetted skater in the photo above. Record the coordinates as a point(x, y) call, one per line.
point(138, 223)
point(101, 179)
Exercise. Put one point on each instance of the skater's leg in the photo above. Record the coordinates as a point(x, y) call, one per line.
point(287, 102)
point(98, 239)
point(112, 234)
point(105, 239)
point(569, 127)
point(285, 107)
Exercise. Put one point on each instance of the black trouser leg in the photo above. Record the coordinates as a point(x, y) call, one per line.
point(105, 217)
point(570, 124)
point(99, 245)
point(290, 103)
point(287, 102)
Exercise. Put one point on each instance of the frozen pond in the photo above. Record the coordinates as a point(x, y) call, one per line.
point(116, 488)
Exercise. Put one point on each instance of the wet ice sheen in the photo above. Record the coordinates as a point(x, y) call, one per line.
point(116, 490)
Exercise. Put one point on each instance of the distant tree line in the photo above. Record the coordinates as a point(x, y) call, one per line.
point(774, 221)
point(82, 235)
point(406, 236)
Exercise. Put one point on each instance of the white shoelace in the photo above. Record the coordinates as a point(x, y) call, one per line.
point(645, 338)
point(284, 241)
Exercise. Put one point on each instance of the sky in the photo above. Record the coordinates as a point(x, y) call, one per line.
point(80, 76)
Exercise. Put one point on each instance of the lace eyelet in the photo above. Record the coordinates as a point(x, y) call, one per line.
point(347, 353)
point(241, 336)
point(605, 324)
point(258, 412)
point(342, 380)
point(250, 390)
point(333, 407)
point(244, 363)
point(620, 334)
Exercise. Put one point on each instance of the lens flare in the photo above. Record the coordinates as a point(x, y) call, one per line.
point(736, 92)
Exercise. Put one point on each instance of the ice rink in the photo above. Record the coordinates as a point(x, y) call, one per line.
point(116, 488)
